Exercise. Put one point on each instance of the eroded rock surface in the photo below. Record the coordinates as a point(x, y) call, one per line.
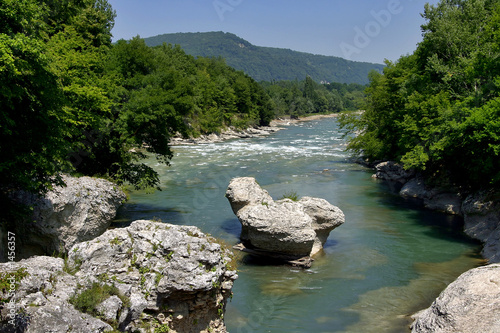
point(293, 228)
point(170, 278)
point(77, 212)
point(482, 221)
point(469, 304)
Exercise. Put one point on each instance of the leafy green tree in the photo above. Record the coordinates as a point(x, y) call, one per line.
point(31, 133)
point(436, 110)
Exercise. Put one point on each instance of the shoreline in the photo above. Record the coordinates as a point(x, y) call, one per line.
point(252, 132)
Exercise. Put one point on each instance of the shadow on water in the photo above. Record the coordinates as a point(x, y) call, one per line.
point(232, 226)
point(140, 211)
point(441, 225)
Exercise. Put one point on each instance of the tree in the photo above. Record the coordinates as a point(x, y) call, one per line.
point(31, 132)
point(436, 110)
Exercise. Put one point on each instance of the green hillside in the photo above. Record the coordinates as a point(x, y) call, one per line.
point(268, 63)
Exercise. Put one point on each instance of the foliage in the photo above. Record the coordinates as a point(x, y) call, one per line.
point(71, 102)
point(266, 63)
point(292, 195)
point(88, 300)
point(9, 279)
point(31, 132)
point(299, 98)
point(437, 110)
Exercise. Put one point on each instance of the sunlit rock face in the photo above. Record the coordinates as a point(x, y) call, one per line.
point(469, 304)
point(166, 278)
point(293, 228)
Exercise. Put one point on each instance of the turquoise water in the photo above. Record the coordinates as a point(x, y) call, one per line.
point(387, 261)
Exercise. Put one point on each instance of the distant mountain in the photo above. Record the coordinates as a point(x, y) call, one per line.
point(268, 63)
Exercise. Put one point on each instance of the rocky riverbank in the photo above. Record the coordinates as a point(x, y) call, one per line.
point(148, 277)
point(252, 132)
point(227, 134)
point(471, 303)
point(480, 210)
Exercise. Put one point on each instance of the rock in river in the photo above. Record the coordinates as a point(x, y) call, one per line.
point(292, 229)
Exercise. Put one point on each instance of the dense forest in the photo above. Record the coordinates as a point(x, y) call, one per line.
point(71, 101)
point(438, 110)
point(300, 98)
point(268, 63)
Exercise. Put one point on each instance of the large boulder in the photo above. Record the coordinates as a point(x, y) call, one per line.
point(470, 304)
point(291, 228)
point(167, 278)
point(482, 221)
point(67, 215)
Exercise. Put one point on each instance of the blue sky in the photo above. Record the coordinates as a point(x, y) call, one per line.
point(360, 30)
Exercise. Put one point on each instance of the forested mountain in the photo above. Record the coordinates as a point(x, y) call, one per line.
point(267, 63)
point(438, 109)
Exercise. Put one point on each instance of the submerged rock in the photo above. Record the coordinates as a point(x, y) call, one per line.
point(292, 229)
point(469, 304)
point(66, 215)
point(167, 278)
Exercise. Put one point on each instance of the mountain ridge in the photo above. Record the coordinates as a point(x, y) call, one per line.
point(267, 63)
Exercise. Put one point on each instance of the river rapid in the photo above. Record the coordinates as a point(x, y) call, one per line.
point(389, 260)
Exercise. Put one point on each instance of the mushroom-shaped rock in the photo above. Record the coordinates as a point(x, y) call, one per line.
point(294, 229)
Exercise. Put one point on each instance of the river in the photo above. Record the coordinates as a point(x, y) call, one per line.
point(387, 261)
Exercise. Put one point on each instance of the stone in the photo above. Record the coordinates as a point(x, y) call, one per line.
point(469, 304)
point(77, 212)
point(245, 191)
point(42, 299)
point(393, 171)
point(325, 216)
point(482, 221)
point(110, 308)
point(290, 228)
point(175, 273)
point(436, 199)
point(414, 188)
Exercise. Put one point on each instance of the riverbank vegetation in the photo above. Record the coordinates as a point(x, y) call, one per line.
point(71, 101)
point(438, 110)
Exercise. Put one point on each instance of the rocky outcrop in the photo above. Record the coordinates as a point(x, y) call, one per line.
point(414, 187)
point(77, 212)
point(481, 212)
point(293, 229)
point(227, 134)
point(393, 171)
point(155, 277)
point(470, 304)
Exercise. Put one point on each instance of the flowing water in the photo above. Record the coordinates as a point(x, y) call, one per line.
point(389, 260)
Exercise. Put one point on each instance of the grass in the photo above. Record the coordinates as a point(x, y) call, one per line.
point(10, 279)
point(292, 195)
point(88, 300)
